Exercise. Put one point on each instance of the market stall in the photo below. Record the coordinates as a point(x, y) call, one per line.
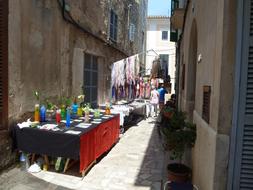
point(80, 141)
point(130, 90)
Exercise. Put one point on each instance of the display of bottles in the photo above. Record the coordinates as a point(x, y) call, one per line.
point(43, 113)
point(58, 116)
point(68, 118)
point(37, 113)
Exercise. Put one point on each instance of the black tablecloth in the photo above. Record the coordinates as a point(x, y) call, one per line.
point(48, 142)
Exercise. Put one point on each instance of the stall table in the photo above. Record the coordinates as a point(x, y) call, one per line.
point(86, 146)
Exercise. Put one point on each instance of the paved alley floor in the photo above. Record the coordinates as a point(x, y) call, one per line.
point(136, 162)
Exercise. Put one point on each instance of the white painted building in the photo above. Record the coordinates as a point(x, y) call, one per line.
point(158, 39)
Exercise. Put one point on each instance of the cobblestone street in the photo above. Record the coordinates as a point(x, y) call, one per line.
point(135, 162)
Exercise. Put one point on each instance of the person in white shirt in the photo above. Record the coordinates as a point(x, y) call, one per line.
point(154, 100)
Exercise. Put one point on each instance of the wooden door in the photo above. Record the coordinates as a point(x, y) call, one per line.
point(3, 64)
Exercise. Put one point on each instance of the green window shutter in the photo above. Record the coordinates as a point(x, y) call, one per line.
point(246, 162)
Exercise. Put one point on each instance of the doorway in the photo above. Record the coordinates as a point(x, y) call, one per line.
point(191, 78)
point(90, 80)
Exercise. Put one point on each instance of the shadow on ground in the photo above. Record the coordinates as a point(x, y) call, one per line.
point(153, 171)
point(13, 179)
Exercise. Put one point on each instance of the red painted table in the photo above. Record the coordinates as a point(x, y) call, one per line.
point(98, 141)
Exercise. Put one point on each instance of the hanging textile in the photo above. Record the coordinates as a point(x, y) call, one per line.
point(118, 74)
point(148, 90)
point(130, 69)
point(123, 78)
point(141, 88)
point(155, 69)
point(137, 65)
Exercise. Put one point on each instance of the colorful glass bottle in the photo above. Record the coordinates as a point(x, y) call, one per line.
point(58, 116)
point(37, 113)
point(80, 112)
point(74, 108)
point(63, 111)
point(43, 113)
point(68, 118)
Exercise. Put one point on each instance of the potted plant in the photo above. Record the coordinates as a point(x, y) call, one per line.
point(178, 135)
point(50, 110)
point(86, 110)
point(64, 102)
point(168, 110)
point(80, 101)
point(96, 113)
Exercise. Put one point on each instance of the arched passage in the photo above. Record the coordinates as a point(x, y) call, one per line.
point(191, 76)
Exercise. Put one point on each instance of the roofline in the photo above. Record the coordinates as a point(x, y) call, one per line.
point(158, 17)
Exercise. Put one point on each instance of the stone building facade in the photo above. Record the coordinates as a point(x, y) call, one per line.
point(206, 67)
point(158, 39)
point(50, 43)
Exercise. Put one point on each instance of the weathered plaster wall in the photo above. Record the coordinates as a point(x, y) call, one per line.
point(42, 44)
point(46, 53)
point(216, 27)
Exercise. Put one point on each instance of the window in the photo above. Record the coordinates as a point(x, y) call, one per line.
point(164, 35)
point(131, 32)
point(90, 79)
point(113, 26)
point(164, 62)
point(206, 103)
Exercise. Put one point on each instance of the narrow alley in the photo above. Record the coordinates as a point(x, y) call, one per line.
point(136, 162)
point(86, 84)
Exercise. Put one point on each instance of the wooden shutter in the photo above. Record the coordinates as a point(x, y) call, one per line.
point(113, 26)
point(3, 63)
point(206, 103)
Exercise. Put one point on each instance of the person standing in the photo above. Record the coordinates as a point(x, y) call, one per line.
point(162, 91)
point(154, 100)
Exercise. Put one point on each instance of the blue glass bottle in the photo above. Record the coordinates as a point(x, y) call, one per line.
point(42, 113)
point(74, 109)
point(68, 118)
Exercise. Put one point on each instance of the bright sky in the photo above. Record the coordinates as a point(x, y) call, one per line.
point(159, 7)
